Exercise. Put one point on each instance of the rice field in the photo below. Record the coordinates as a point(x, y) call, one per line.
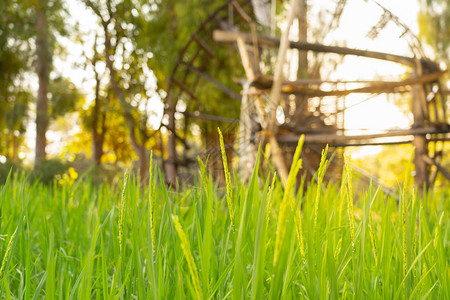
point(262, 240)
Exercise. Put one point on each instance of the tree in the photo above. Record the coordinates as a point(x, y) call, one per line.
point(49, 22)
point(23, 22)
point(122, 27)
point(43, 62)
point(115, 146)
point(15, 61)
point(171, 25)
point(434, 24)
point(98, 113)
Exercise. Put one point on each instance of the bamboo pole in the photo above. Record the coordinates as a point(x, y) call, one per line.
point(334, 138)
point(303, 86)
point(230, 37)
point(275, 93)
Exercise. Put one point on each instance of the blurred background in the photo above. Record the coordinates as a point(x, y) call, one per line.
point(87, 88)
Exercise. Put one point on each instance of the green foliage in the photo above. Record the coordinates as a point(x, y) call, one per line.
point(16, 115)
point(15, 60)
point(434, 25)
point(18, 35)
point(8, 167)
point(46, 171)
point(65, 97)
point(170, 27)
point(15, 29)
point(74, 241)
point(116, 145)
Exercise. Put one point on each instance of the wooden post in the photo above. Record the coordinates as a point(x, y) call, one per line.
point(301, 100)
point(275, 93)
point(248, 148)
point(170, 165)
point(247, 134)
point(420, 143)
point(245, 59)
point(302, 71)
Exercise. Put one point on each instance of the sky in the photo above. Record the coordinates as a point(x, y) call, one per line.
point(379, 112)
point(357, 19)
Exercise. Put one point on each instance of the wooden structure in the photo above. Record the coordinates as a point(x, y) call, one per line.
point(318, 111)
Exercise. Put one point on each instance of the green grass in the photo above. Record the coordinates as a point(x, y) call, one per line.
point(84, 242)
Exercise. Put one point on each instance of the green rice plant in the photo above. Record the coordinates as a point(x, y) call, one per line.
point(122, 207)
point(81, 241)
point(321, 173)
point(286, 202)
point(373, 238)
point(189, 258)
point(349, 195)
point(152, 204)
point(6, 256)
point(227, 177)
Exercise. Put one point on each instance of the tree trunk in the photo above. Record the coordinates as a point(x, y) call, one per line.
point(170, 166)
point(8, 145)
point(143, 164)
point(97, 143)
point(98, 134)
point(43, 60)
point(15, 154)
point(138, 146)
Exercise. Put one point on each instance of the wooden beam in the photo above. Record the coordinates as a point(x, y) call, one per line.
point(265, 80)
point(219, 85)
point(369, 143)
point(204, 46)
point(241, 12)
point(254, 36)
point(245, 59)
point(334, 138)
point(184, 88)
point(231, 37)
point(302, 87)
point(183, 141)
point(440, 168)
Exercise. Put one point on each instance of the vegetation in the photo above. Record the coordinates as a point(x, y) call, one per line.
point(434, 20)
point(65, 233)
point(106, 82)
point(324, 241)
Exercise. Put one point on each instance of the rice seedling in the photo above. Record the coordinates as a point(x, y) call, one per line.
point(122, 208)
point(77, 241)
point(151, 205)
point(227, 177)
point(286, 202)
point(321, 174)
point(7, 254)
point(189, 258)
point(349, 195)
